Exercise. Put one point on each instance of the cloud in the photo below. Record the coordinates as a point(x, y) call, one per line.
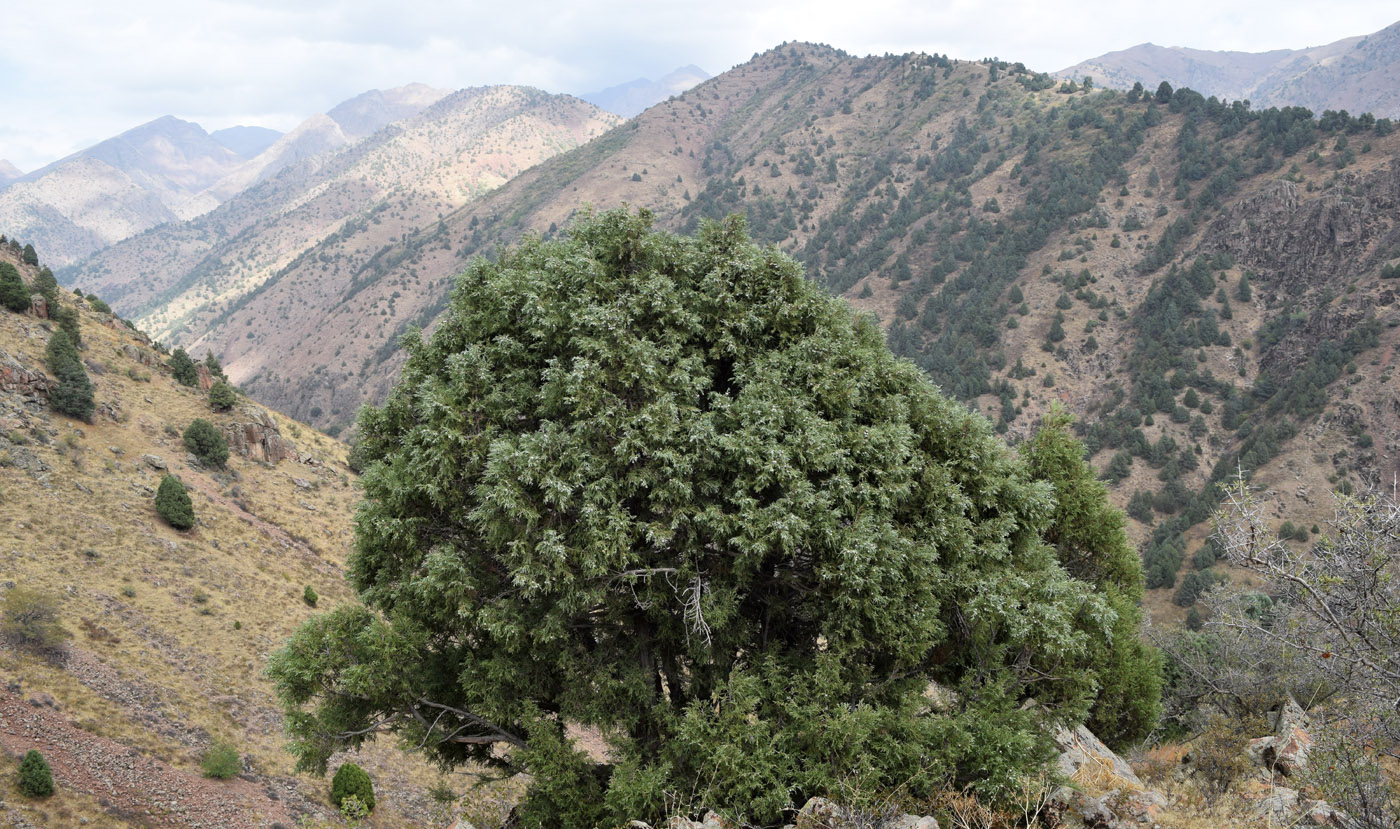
point(82, 72)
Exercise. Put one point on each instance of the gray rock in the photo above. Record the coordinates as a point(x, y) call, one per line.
point(154, 461)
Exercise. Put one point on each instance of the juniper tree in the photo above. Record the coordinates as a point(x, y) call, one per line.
point(667, 488)
point(204, 440)
point(73, 394)
point(183, 368)
point(173, 503)
point(13, 294)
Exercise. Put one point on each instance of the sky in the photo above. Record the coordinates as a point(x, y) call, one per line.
point(73, 73)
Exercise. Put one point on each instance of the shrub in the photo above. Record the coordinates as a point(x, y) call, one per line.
point(221, 761)
point(29, 619)
point(309, 596)
point(206, 442)
point(351, 780)
point(1219, 757)
point(222, 396)
point(35, 777)
point(174, 504)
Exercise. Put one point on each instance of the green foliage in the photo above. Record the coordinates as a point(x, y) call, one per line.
point(183, 368)
point(30, 257)
point(1089, 539)
point(173, 503)
point(74, 394)
point(216, 369)
point(45, 284)
point(13, 294)
point(67, 319)
point(35, 777)
point(221, 761)
point(669, 489)
point(222, 397)
point(309, 596)
point(352, 781)
point(98, 305)
point(206, 442)
point(29, 619)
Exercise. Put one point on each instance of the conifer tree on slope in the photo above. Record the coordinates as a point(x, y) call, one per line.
point(667, 488)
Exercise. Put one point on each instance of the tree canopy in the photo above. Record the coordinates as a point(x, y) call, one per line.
point(668, 489)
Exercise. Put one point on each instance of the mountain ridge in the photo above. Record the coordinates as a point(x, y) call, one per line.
point(1358, 74)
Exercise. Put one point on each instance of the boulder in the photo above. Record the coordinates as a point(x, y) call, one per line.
point(1081, 750)
point(206, 380)
point(1286, 751)
point(39, 306)
point(154, 461)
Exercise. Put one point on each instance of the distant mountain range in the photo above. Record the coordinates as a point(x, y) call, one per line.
point(172, 170)
point(1357, 74)
point(633, 97)
point(246, 141)
point(8, 172)
point(184, 277)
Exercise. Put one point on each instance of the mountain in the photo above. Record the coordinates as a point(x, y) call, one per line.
point(167, 631)
point(631, 98)
point(183, 277)
point(171, 170)
point(8, 172)
point(347, 123)
point(246, 141)
point(141, 178)
point(1027, 247)
point(1357, 74)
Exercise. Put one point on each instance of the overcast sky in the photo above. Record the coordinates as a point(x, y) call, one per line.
point(74, 72)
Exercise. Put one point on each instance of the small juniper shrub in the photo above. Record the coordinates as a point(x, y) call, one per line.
point(349, 780)
point(35, 777)
point(221, 761)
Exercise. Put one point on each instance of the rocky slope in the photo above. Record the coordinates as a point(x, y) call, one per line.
point(183, 277)
point(168, 630)
point(1358, 74)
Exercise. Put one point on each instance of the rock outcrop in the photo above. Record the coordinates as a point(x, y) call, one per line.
point(17, 379)
point(1286, 751)
point(258, 438)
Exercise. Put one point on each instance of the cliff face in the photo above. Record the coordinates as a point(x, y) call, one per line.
point(1301, 241)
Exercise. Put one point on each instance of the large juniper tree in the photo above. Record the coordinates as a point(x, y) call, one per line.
point(668, 489)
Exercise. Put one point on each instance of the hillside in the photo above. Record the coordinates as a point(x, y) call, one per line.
point(185, 276)
point(169, 630)
point(1023, 244)
point(1357, 74)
